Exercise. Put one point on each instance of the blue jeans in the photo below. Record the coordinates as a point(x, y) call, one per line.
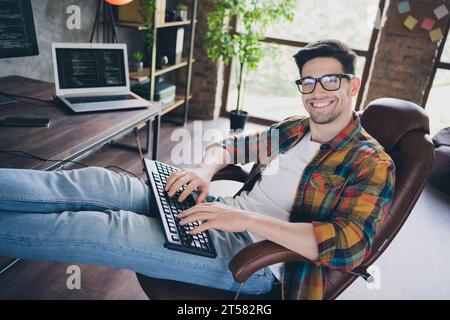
point(97, 216)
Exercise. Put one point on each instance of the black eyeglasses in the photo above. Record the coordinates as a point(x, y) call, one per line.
point(330, 82)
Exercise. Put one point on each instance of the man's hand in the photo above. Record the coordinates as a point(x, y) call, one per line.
point(216, 215)
point(194, 178)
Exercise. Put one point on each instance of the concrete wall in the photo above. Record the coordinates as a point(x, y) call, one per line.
point(50, 22)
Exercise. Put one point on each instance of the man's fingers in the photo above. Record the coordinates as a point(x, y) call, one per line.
point(178, 184)
point(201, 197)
point(190, 187)
point(197, 208)
point(200, 216)
point(172, 178)
point(203, 227)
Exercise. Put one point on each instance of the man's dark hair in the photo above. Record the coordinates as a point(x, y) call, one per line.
point(329, 49)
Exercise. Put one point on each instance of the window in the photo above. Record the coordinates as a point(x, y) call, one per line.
point(330, 19)
point(437, 105)
point(446, 53)
point(270, 93)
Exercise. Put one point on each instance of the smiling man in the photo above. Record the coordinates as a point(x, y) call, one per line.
point(333, 187)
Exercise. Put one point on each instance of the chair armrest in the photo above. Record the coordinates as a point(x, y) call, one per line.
point(231, 172)
point(260, 255)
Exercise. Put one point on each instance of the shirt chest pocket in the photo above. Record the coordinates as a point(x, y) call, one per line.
point(327, 182)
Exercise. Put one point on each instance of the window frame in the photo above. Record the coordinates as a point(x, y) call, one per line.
point(367, 54)
point(438, 65)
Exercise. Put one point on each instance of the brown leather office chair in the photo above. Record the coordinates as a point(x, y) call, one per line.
point(402, 128)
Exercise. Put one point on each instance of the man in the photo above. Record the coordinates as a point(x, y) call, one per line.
point(326, 201)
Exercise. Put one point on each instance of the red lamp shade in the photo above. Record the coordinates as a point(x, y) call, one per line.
point(118, 2)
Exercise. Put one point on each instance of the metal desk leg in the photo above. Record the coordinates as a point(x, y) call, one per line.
point(156, 129)
point(125, 146)
point(147, 134)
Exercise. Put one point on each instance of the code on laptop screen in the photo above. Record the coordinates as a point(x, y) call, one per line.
point(90, 68)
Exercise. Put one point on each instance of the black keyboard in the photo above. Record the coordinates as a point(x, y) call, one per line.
point(177, 236)
point(119, 97)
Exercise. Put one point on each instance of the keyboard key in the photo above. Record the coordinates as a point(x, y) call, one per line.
point(173, 230)
point(76, 100)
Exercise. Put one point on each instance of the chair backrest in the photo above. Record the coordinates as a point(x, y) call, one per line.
point(402, 128)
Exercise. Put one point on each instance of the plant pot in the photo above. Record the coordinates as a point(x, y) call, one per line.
point(137, 66)
point(238, 119)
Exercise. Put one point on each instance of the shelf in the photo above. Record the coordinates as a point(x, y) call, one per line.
point(178, 102)
point(140, 75)
point(143, 75)
point(141, 26)
point(170, 68)
point(133, 25)
point(173, 24)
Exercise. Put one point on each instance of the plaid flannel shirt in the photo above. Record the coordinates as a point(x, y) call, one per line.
point(345, 192)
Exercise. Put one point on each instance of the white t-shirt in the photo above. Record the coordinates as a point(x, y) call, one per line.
point(273, 195)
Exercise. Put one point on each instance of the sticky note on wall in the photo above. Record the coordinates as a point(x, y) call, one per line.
point(436, 34)
point(441, 11)
point(404, 7)
point(428, 24)
point(410, 22)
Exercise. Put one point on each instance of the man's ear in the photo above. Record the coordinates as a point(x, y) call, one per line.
point(356, 85)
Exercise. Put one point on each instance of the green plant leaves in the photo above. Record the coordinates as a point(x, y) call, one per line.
point(147, 12)
point(246, 46)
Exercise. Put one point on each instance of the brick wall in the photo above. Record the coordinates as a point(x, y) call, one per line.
point(207, 76)
point(403, 64)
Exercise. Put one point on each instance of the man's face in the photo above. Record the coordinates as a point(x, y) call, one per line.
point(326, 106)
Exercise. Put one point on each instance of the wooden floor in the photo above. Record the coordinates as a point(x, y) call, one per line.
point(415, 266)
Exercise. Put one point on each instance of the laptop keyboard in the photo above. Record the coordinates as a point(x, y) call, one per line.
point(91, 99)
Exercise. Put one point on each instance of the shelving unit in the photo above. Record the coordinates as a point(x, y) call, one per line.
point(179, 100)
point(145, 74)
point(141, 27)
point(186, 63)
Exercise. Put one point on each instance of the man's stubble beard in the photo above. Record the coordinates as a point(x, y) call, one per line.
point(333, 115)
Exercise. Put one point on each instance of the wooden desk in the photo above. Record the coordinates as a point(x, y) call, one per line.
point(69, 137)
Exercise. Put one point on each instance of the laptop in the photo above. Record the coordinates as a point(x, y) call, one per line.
point(93, 77)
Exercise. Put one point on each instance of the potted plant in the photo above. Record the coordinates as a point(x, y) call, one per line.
point(182, 12)
point(147, 11)
point(244, 47)
point(137, 65)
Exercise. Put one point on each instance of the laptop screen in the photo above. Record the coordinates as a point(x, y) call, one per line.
point(90, 68)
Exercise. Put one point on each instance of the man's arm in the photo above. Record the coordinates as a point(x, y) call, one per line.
point(340, 243)
point(239, 148)
point(242, 148)
point(346, 240)
point(214, 159)
point(298, 237)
